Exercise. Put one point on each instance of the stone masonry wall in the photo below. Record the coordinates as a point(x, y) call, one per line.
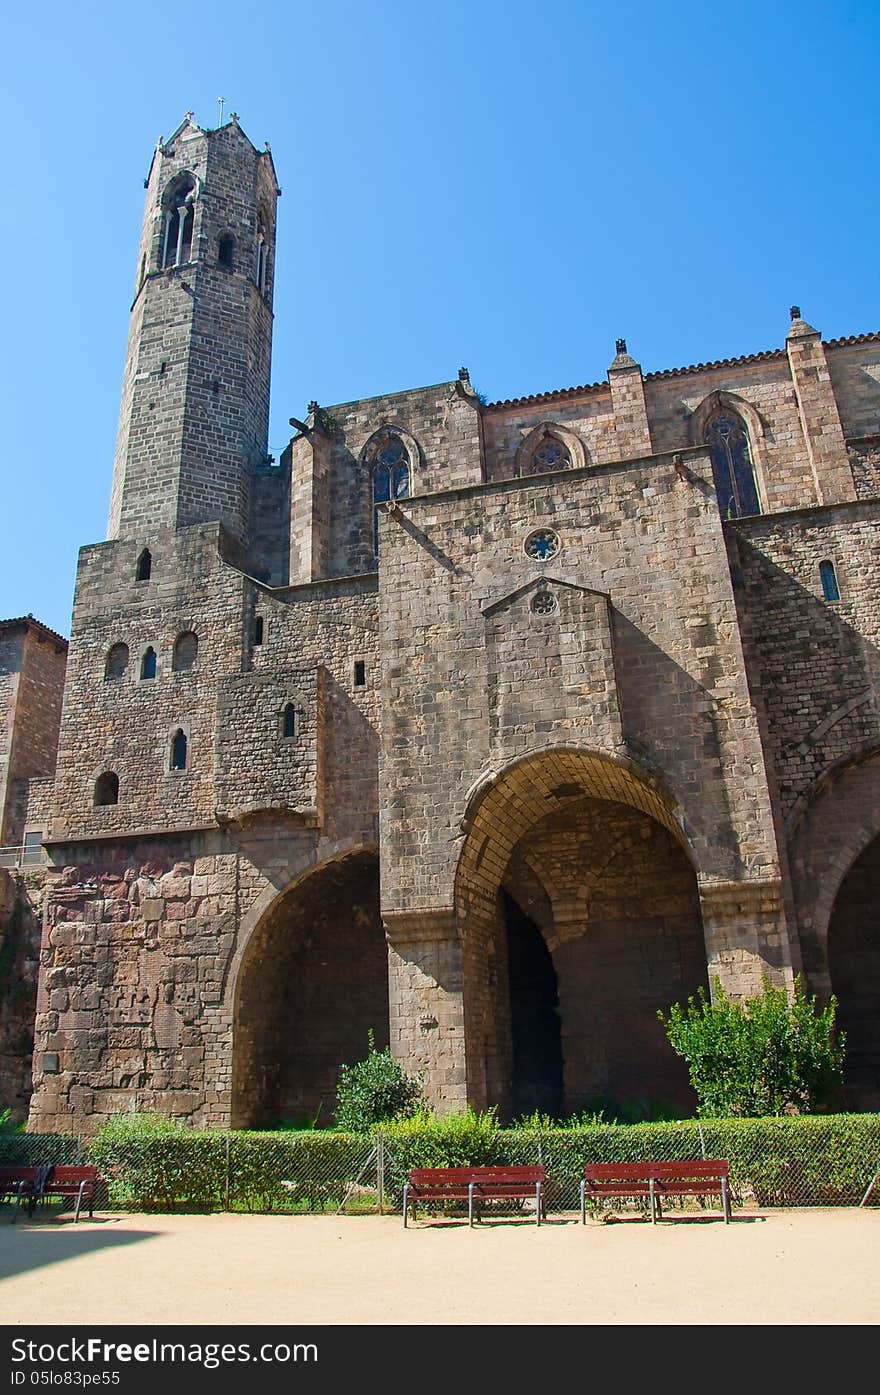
point(21, 912)
point(653, 542)
point(32, 669)
point(813, 664)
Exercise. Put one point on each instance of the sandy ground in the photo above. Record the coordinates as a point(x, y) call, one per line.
point(770, 1267)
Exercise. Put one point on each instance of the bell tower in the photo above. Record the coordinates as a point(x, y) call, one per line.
point(194, 418)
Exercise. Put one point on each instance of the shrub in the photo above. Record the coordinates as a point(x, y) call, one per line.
point(762, 1057)
point(375, 1090)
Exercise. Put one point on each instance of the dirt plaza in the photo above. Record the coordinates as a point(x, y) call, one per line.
point(797, 1266)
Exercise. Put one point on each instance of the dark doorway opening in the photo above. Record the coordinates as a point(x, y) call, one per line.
point(534, 1016)
point(854, 962)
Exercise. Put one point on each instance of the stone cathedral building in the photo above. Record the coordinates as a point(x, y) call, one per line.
point(493, 728)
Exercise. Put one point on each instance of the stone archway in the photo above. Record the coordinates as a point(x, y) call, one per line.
point(585, 855)
point(854, 966)
point(311, 985)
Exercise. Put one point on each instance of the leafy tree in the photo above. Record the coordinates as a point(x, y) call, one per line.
point(764, 1056)
point(374, 1090)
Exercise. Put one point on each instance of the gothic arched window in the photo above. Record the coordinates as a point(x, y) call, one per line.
point(144, 566)
point(390, 478)
point(261, 256)
point(728, 443)
point(290, 720)
point(179, 216)
point(549, 454)
point(148, 663)
point(226, 250)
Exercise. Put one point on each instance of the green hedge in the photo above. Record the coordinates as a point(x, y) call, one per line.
point(153, 1164)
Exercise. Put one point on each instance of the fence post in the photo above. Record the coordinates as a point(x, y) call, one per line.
point(228, 1151)
point(380, 1171)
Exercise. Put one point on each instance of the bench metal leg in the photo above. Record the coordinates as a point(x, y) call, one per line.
point(470, 1203)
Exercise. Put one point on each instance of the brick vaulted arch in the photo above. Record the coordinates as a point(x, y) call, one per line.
point(577, 908)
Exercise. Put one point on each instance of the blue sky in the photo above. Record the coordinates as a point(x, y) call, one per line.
point(504, 186)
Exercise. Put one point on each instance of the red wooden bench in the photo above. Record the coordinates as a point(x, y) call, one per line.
point(78, 1182)
point(23, 1184)
point(474, 1184)
point(655, 1180)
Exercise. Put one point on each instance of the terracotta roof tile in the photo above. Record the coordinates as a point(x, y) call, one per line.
point(28, 622)
point(563, 394)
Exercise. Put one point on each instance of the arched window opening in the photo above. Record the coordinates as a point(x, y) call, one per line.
point(290, 720)
point(258, 630)
point(828, 576)
point(261, 255)
point(144, 566)
point(116, 662)
point(178, 750)
point(550, 454)
point(179, 218)
point(142, 274)
point(390, 479)
point(186, 648)
point(226, 250)
point(107, 788)
point(728, 443)
point(148, 663)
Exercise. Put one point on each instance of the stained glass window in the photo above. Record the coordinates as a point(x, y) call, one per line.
point(542, 544)
point(390, 479)
point(728, 443)
point(550, 455)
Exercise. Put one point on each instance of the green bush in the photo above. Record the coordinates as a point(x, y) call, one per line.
point(763, 1057)
point(375, 1090)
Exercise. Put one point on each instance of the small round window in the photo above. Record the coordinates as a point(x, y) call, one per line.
point(542, 544)
point(543, 603)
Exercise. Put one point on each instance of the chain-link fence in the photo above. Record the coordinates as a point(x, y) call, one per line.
point(819, 1162)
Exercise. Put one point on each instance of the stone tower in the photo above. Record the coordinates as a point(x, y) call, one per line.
point(193, 422)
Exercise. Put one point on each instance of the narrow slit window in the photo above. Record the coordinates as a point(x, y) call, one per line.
point(144, 564)
point(178, 750)
point(107, 788)
point(148, 663)
point(360, 673)
point(290, 720)
point(828, 576)
point(258, 629)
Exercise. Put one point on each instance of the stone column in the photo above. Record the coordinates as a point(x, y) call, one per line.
point(820, 419)
point(746, 934)
point(628, 400)
point(426, 1002)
